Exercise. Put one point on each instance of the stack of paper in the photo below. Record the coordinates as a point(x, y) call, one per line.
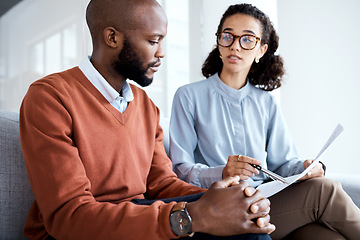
point(271, 188)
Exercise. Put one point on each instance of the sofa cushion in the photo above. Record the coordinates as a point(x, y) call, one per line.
point(15, 192)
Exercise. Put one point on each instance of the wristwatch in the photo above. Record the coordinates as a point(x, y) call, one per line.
point(180, 220)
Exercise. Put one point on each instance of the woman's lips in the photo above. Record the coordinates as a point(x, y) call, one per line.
point(233, 58)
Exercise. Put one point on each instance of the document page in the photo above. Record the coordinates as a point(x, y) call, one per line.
point(273, 187)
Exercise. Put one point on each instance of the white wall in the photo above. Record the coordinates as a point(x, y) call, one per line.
point(319, 41)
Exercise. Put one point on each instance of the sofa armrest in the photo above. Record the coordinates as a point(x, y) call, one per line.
point(350, 183)
point(15, 191)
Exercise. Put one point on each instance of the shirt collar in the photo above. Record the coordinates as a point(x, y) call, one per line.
point(102, 85)
point(229, 92)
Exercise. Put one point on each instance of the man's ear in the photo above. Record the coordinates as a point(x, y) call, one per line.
point(112, 37)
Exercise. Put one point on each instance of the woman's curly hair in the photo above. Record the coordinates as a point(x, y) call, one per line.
point(267, 74)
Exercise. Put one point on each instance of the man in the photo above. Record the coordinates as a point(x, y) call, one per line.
point(93, 146)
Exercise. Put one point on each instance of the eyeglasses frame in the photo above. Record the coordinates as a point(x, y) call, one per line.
point(235, 37)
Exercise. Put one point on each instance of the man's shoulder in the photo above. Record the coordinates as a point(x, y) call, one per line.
point(60, 85)
point(60, 78)
point(141, 99)
point(139, 93)
point(136, 89)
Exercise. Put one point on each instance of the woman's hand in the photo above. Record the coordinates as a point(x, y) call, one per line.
point(316, 171)
point(238, 165)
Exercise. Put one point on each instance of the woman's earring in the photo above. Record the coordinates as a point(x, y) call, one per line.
point(220, 55)
point(257, 60)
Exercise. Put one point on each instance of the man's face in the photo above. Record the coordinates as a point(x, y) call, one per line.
point(130, 65)
point(142, 48)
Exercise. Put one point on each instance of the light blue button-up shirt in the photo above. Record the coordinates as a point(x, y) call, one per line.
point(211, 121)
point(120, 102)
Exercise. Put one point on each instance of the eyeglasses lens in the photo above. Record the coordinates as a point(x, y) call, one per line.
point(225, 39)
point(247, 42)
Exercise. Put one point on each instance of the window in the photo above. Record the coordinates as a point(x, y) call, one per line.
point(55, 52)
point(62, 42)
point(174, 71)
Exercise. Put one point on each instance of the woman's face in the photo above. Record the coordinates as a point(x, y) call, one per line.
point(235, 59)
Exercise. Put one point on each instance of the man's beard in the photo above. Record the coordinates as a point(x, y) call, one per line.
point(130, 65)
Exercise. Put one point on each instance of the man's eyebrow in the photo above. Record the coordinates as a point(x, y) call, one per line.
point(157, 35)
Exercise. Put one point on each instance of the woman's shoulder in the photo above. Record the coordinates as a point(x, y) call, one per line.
point(195, 87)
point(258, 94)
point(198, 84)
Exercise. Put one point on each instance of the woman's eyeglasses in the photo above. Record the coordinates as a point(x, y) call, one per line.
point(247, 41)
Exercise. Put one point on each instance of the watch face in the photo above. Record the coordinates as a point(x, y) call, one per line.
point(180, 223)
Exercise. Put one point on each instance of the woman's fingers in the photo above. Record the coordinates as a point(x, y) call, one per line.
point(238, 165)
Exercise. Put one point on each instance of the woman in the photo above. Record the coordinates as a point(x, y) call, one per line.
point(221, 124)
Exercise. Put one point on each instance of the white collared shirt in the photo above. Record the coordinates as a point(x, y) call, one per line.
point(115, 99)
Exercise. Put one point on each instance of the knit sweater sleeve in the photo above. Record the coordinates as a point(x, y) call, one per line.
point(66, 206)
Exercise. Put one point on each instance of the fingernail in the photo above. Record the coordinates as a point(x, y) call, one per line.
point(249, 191)
point(254, 208)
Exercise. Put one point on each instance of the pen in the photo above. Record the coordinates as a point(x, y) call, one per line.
point(272, 175)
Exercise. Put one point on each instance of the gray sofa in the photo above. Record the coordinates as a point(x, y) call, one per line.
point(15, 192)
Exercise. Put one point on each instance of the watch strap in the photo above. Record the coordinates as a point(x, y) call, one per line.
point(179, 206)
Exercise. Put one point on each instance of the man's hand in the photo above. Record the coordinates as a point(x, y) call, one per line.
point(316, 171)
point(238, 165)
point(231, 208)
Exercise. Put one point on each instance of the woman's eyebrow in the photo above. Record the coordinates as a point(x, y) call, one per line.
point(246, 31)
point(249, 31)
point(227, 29)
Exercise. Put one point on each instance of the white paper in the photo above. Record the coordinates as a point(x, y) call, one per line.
point(273, 187)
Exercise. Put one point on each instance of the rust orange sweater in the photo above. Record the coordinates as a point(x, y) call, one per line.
point(86, 160)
